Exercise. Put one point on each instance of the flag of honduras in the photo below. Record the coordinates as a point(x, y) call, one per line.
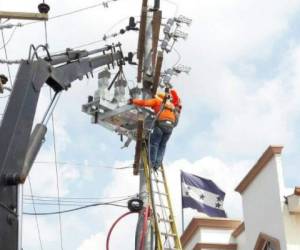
point(202, 194)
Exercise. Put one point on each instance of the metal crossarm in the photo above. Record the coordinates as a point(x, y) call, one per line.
point(163, 218)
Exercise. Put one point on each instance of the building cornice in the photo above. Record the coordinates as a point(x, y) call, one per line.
point(297, 191)
point(238, 230)
point(202, 246)
point(216, 223)
point(258, 167)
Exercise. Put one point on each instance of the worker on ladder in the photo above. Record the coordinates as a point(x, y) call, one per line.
point(167, 107)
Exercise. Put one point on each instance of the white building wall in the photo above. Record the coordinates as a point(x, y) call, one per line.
point(215, 236)
point(196, 238)
point(241, 241)
point(210, 235)
point(263, 203)
point(292, 229)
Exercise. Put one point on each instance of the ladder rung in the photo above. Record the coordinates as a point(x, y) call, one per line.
point(164, 220)
point(160, 193)
point(168, 234)
point(156, 180)
point(158, 205)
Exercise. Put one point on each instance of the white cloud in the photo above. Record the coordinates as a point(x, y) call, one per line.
point(30, 236)
point(261, 117)
point(44, 175)
point(94, 242)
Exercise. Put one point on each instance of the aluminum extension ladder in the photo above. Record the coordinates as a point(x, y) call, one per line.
point(167, 237)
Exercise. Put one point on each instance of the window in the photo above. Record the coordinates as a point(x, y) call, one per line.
point(269, 246)
point(266, 242)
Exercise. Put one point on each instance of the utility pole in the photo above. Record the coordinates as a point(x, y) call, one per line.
point(146, 68)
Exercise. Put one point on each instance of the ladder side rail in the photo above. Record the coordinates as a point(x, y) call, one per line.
point(173, 223)
point(147, 172)
point(164, 215)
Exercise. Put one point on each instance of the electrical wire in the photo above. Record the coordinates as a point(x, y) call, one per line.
point(144, 229)
point(100, 40)
point(29, 200)
point(9, 39)
point(56, 174)
point(175, 4)
point(36, 218)
point(178, 55)
point(62, 204)
point(36, 197)
point(5, 21)
point(6, 57)
point(75, 11)
point(81, 164)
point(113, 226)
point(79, 208)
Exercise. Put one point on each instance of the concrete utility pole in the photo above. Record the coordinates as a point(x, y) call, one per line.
point(143, 190)
point(145, 73)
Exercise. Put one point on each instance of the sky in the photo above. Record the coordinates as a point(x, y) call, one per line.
point(241, 96)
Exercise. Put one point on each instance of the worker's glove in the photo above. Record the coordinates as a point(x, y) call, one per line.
point(130, 101)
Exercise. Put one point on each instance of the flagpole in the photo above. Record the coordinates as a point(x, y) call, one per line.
point(182, 213)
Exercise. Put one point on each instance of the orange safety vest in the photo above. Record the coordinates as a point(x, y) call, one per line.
point(167, 114)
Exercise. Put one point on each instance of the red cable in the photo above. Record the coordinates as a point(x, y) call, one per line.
point(146, 216)
point(112, 227)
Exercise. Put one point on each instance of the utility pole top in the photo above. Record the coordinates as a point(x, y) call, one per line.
point(23, 15)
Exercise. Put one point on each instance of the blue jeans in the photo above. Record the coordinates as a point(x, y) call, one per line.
point(158, 142)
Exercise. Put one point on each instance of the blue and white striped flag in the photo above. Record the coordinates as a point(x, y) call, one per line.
point(202, 194)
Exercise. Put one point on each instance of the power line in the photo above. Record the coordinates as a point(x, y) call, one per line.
point(81, 164)
point(36, 218)
point(63, 205)
point(6, 57)
point(80, 208)
point(9, 39)
point(54, 203)
point(56, 173)
point(104, 4)
point(178, 56)
point(78, 198)
point(100, 40)
point(175, 4)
